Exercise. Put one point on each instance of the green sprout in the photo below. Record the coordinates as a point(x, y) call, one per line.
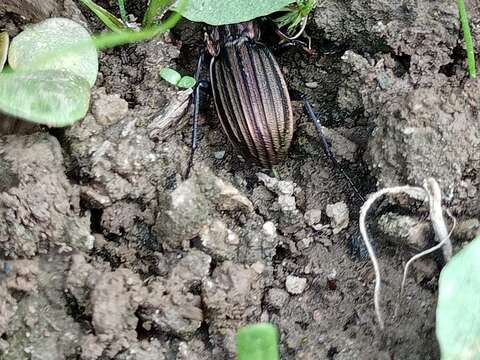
point(257, 342)
point(110, 20)
point(174, 78)
point(115, 24)
point(467, 36)
point(296, 15)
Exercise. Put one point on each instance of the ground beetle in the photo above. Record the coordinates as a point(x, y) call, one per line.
point(251, 96)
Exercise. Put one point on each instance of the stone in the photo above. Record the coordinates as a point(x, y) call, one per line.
point(339, 216)
point(295, 285)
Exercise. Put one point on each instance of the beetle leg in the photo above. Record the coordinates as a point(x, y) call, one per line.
point(279, 48)
point(196, 98)
point(326, 144)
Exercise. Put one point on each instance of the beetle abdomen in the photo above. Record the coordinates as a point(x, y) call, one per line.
point(252, 101)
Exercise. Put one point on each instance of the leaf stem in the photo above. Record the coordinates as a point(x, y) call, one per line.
point(467, 36)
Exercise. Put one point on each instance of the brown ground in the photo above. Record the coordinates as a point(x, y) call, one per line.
point(106, 253)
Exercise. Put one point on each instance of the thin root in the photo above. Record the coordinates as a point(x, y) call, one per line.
point(412, 191)
point(444, 242)
point(431, 191)
point(299, 33)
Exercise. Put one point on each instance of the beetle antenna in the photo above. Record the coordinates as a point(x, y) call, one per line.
point(199, 84)
point(327, 148)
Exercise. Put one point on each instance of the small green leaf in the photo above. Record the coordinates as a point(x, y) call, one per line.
point(170, 75)
point(186, 82)
point(50, 97)
point(110, 20)
point(215, 12)
point(49, 39)
point(4, 42)
point(458, 307)
point(257, 342)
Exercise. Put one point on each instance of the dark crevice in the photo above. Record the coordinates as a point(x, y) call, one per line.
point(458, 57)
point(78, 312)
point(402, 64)
point(332, 351)
point(96, 220)
point(142, 332)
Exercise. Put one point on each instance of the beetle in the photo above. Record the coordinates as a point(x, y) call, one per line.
point(251, 97)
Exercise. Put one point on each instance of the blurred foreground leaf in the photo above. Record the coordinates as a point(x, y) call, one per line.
point(215, 12)
point(257, 342)
point(55, 36)
point(458, 308)
point(50, 97)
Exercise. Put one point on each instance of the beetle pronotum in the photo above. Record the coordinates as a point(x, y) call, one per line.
point(251, 96)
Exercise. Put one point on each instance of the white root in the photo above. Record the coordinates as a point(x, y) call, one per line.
point(430, 191)
point(444, 242)
point(436, 216)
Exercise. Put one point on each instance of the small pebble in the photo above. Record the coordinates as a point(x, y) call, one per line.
point(219, 155)
point(269, 229)
point(339, 215)
point(287, 202)
point(313, 217)
point(258, 267)
point(109, 109)
point(295, 285)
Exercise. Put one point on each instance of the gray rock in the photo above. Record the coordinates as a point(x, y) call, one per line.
point(405, 230)
point(295, 285)
point(339, 216)
point(313, 217)
point(109, 109)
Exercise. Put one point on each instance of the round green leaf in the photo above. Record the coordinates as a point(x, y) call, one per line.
point(186, 82)
point(4, 40)
point(458, 307)
point(257, 342)
point(216, 12)
point(57, 36)
point(50, 97)
point(170, 75)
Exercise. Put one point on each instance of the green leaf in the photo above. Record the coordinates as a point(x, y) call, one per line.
point(110, 20)
point(154, 8)
point(170, 75)
point(467, 37)
point(4, 42)
point(50, 97)
point(123, 12)
point(186, 82)
point(215, 12)
point(50, 39)
point(257, 342)
point(458, 307)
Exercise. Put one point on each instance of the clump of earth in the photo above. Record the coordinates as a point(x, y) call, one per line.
point(108, 252)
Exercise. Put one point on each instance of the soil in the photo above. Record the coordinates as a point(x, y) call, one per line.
point(107, 252)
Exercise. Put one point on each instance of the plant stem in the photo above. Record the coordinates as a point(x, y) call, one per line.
point(467, 36)
point(123, 12)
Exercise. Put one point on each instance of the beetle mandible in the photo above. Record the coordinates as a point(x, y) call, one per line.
point(251, 97)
